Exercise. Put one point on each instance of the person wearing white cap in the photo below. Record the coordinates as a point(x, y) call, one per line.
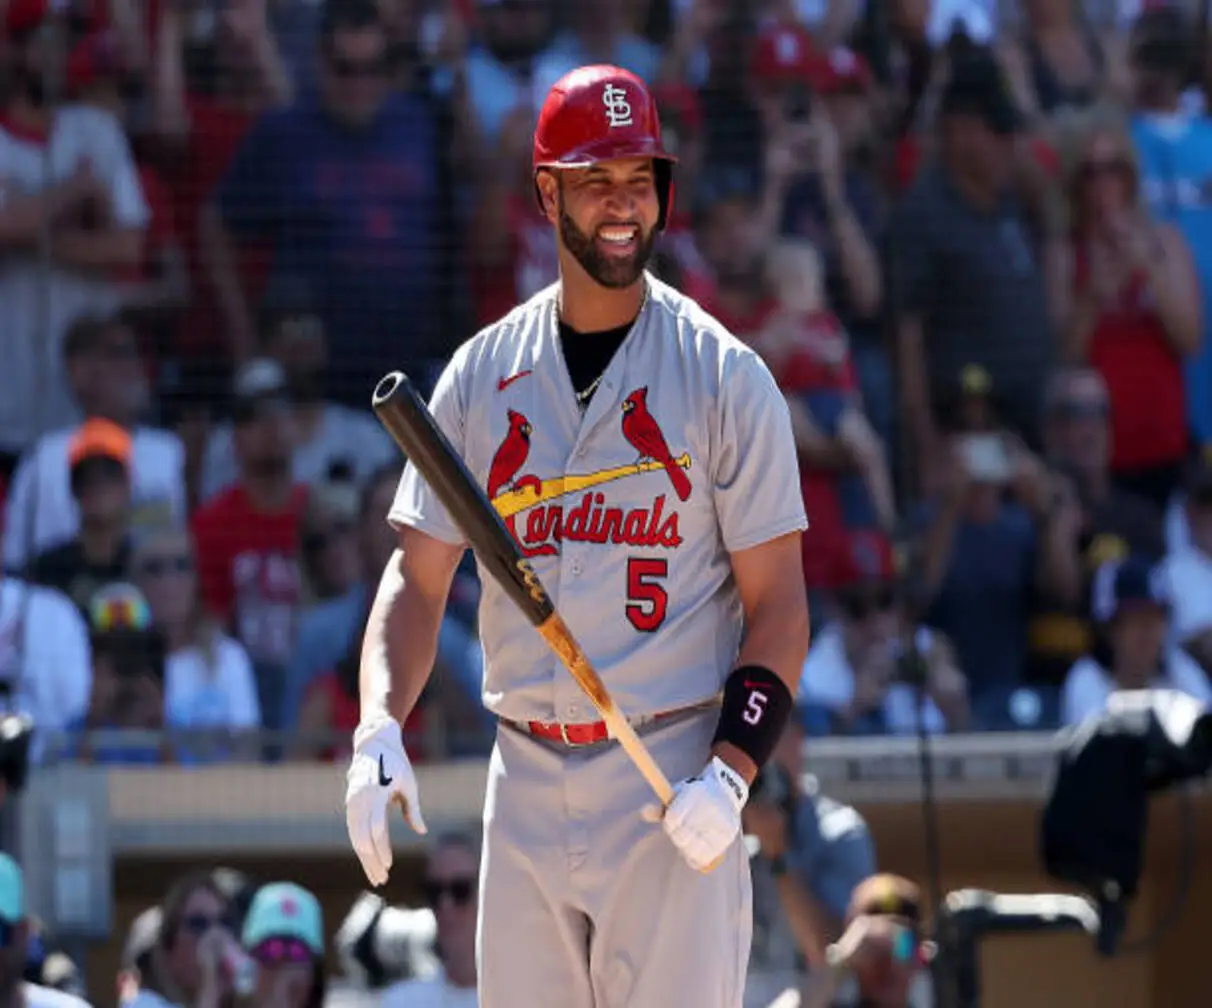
point(284, 935)
point(14, 935)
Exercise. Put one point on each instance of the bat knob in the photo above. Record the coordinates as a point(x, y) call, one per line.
point(652, 813)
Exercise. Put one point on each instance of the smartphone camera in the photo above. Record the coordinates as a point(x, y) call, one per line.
point(986, 458)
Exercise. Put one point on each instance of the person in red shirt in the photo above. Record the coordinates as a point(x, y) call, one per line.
point(808, 352)
point(248, 537)
point(1135, 309)
point(197, 135)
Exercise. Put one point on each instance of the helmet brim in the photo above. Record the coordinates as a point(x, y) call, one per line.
point(608, 149)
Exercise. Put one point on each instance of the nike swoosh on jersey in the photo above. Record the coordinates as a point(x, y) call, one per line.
point(504, 383)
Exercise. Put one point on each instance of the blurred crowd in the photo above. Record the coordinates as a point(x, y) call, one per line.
point(219, 939)
point(972, 240)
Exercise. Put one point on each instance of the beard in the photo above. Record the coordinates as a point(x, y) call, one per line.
point(609, 272)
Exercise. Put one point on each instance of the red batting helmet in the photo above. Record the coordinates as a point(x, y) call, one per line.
point(598, 113)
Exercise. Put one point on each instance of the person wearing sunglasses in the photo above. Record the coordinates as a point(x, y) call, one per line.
point(194, 917)
point(208, 678)
point(1135, 309)
point(451, 889)
point(284, 936)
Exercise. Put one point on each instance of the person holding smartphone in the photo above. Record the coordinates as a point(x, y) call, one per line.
point(881, 958)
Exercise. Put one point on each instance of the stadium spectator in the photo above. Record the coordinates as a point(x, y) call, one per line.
point(196, 127)
point(854, 680)
point(99, 457)
point(979, 559)
point(809, 354)
point(811, 852)
point(195, 918)
point(331, 566)
point(68, 177)
point(333, 440)
point(247, 539)
point(127, 681)
point(284, 935)
point(832, 198)
point(1059, 60)
point(1190, 571)
point(100, 72)
point(1174, 147)
point(323, 678)
point(511, 247)
point(1131, 604)
point(15, 992)
point(451, 885)
point(1085, 520)
point(498, 66)
point(45, 660)
point(971, 268)
point(732, 224)
point(881, 957)
point(1135, 311)
point(191, 394)
point(771, 106)
point(109, 383)
point(209, 684)
point(676, 259)
point(350, 191)
point(598, 32)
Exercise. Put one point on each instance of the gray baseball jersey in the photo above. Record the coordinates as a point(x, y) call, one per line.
point(628, 511)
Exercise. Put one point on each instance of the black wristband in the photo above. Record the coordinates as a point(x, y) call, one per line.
point(757, 705)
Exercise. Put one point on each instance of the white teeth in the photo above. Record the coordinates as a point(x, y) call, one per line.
point(617, 235)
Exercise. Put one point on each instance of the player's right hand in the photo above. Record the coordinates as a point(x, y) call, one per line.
point(379, 777)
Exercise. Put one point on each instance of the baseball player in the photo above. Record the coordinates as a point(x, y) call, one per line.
point(643, 459)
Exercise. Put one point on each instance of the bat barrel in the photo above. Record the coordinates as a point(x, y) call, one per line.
point(387, 387)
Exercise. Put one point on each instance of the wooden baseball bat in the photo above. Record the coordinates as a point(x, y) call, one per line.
point(407, 419)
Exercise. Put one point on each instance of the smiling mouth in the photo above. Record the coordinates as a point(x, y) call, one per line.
point(618, 237)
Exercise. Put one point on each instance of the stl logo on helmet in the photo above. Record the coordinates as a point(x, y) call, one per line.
point(618, 108)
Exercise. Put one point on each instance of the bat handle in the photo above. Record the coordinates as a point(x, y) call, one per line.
point(621, 730)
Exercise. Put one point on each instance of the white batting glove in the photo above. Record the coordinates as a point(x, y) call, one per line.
point(379, 777)
point(704, 817)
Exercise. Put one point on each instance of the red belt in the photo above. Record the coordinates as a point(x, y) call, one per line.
point(569, 734)
point(594, 732)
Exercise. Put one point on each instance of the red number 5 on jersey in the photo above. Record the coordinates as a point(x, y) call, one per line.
point(647, 600)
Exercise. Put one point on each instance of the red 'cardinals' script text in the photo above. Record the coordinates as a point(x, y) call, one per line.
point(591, 521)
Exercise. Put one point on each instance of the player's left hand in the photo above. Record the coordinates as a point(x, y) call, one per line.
point(704, 817)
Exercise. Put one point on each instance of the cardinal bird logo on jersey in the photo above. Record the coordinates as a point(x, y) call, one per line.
point(511, 456)
point(643, 433)
point(542, 513)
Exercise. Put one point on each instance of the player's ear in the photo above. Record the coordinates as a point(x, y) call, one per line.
point(547, 187)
